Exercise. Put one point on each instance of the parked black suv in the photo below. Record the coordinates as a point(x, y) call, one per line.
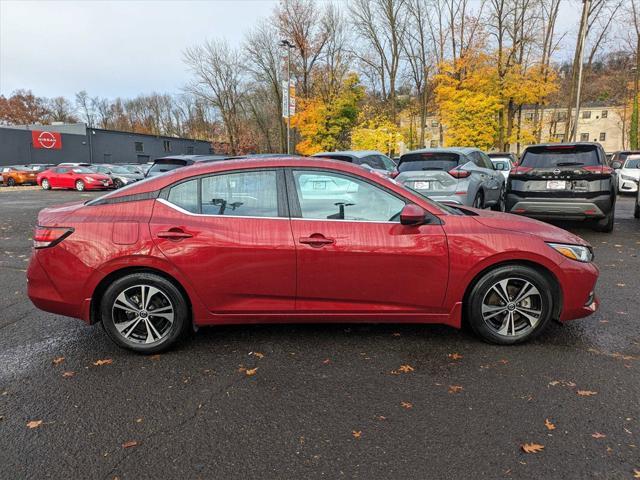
point(564, 181)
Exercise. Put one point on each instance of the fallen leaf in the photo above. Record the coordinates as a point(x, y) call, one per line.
point(326, 361)
point(250, 371)
point(129, 444)
point(620, 284)
point(503, 361)
point(68, 374)
point(531, 447)
point(455, 356)
point(586, 393)
point(406, 368)
point(58, 360)
point(356, 434)
point(636, 473)
point(406, 405)
point(598, 435)
point(381, 417)
point(258, 354)
point(549, 425)
point(554, 383)
point(155, 357)
point(455, 388)
point(34, 423)
point(106, 361)
point(138, 420)
point(395, 334)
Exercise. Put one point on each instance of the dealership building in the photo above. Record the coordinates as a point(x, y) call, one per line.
point(77, 142)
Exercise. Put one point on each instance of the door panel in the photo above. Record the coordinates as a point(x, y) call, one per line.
point(235, 264)
point(370, 267)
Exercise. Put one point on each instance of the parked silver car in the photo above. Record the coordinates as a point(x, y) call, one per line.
point(459, 175)
point(367, 158)
point(120, 175)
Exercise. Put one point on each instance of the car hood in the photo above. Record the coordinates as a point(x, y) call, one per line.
point(517, 223)
point(631, 172)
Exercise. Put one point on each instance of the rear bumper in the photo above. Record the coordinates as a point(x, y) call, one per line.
point(567, 208)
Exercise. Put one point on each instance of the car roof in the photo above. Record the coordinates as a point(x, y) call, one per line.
point(564, 144)
point(194, 158)
point(500, 154)
point(351, 153)
point(459, 150)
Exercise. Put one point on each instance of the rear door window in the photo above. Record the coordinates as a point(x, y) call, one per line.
point(560, 156)
point(412, 162)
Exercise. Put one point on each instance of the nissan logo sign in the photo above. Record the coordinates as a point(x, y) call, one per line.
point(556, 171)
point(47, 139)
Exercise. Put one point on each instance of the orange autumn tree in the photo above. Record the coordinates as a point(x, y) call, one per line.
point(325, 125)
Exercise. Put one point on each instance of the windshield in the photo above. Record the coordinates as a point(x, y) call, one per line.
point(82, 170)
point(165, 166)
point(560, 156)
point(632, 162)
point(132, 169)
point(412, 162)
point(118, 169)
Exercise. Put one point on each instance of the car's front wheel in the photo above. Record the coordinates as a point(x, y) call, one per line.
point(510, 304)
point(478, 201)
point(45, 184)
point(144, 312)
point(80, 186)
point(605, 224)
point(11, 182)
point(501, 205)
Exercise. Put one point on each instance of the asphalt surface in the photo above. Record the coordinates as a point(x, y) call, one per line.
point(324, 401)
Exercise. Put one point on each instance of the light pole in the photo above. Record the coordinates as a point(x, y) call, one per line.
point(289, 46)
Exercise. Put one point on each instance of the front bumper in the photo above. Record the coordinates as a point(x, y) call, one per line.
point(579, 297)
point(627, 186)
point(566, 208)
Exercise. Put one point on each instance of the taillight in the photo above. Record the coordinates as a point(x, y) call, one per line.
point(520, 170)
point(455, 173)
point(45, 237)
point(599, 169)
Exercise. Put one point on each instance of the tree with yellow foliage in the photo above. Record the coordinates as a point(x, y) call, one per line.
point(375, 133)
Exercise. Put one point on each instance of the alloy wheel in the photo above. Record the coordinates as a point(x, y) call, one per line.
point(512, 307)
point(143, 314)
point(45, 184)
point(80, 185)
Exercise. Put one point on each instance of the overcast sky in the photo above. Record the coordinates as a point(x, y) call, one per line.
point(122, 47)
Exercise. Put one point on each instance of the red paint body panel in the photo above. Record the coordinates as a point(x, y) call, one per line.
point(251, 270)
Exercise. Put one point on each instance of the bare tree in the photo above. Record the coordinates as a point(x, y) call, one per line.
point(84, 104)
point(382, 24)
point(61, 110)
point(336, 56)
point(217, 70)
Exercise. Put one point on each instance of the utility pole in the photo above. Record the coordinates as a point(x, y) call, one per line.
point(576, 75)
point(286, 93)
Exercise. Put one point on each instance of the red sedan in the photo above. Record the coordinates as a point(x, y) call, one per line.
point(300, 240)
point(80, 178)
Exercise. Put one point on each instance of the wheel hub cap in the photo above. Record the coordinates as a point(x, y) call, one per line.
point(512, 307)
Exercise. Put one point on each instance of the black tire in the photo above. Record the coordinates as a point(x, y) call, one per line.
point(45, 184)
point(11, 182)
point(478, 201)
point(178, 303)
point(636, 210)
point(517, 275)
point(605, 224)
point(501, 206)
point(117, 183)
point(80, 186)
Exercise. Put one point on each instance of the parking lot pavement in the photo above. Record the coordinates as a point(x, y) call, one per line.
point(319, 401)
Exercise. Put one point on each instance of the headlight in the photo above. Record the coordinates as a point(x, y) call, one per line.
point(88, 179)
point(574, 252)
point(124, 180)
point(627, 177)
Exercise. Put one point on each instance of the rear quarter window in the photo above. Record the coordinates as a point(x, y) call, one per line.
point(412, 162)
point(550, 157)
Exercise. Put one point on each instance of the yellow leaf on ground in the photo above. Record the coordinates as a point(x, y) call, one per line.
point(250, 371)
point(455, 388)
point(258, 354)
point(549, 425)
point(531, 447)
point(58, 360)
point(129, 444)
point(356, 434)
point(106, 361)
point(636, 473)
point(598, 435)
point(586, 393)
point(406, 405)
point(455, 356)
point(34, 423)
point(68, 374)
point(406, 368)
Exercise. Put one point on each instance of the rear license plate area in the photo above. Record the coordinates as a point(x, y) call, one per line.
point(556, 184)
point(422, 185)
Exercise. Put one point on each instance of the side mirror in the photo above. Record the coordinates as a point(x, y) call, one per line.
point(412, 214)
point(616, 165)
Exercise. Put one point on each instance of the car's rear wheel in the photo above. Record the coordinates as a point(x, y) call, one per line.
point(80, 185)
point(605, 224)
point(45, 184)
point(510, 304)
point(478, 201)
point(501, 206)
point(117, 183)
point(144, 312)
point(11, 182)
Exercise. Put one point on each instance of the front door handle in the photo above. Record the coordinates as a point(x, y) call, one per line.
point(316, 240)
point(174, 234)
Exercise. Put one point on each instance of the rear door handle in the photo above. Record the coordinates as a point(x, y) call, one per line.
point(174, 234)
point(316, 240)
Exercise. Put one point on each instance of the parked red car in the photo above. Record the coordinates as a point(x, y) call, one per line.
point(80, 178)
point(300, 240)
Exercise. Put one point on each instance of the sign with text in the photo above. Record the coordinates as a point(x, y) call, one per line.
point(48, 140)
point(285, 99)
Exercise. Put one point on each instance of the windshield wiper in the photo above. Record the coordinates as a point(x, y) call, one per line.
point(569, 164)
